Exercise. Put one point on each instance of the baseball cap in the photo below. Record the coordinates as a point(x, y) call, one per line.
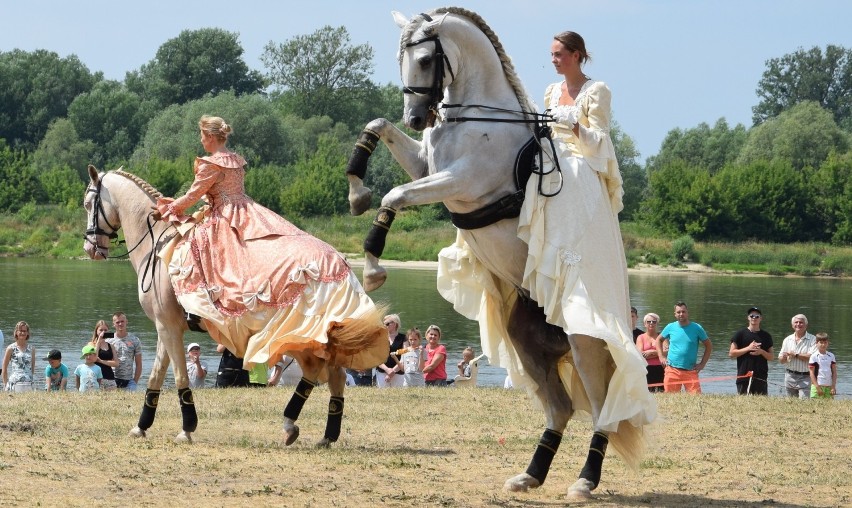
point(88, 349)
point(54, 354)
point(754, 309)
point(192, 345)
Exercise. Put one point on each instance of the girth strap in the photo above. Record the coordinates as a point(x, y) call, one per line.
point(507, 207)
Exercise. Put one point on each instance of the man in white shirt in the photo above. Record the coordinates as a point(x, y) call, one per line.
point(795, 352)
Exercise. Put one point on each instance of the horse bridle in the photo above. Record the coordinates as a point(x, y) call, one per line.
point(96, 231)
point(436, 91)
point(98, 211)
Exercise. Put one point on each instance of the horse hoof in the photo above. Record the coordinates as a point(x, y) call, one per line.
point(521, 483)
point(581, 490)
point(375, 278)
point(290, 435)
point(359, 200)
point(184, 437)
point(136, 432)
point(324, 443)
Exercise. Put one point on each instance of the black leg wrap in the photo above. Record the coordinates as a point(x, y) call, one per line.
point(149, 410)
point(594, 462)
point(335, 419)
point(375, 242)
point(187, 410)
point(193, 321)
point(543, 456)
point(364, 147)
point(297, 401)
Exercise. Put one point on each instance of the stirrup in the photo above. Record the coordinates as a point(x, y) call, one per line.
point(193, 321)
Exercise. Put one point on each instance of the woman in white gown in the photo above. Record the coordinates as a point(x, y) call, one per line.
point(576, 268)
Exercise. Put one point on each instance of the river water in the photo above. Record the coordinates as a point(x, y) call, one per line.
point(63, 299)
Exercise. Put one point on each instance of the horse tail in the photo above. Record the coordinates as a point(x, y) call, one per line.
point(360, 342)
point(629, 442)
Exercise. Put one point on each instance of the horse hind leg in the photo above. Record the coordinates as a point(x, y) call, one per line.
point(294, 409)
point(540, 346)
point(591, 360)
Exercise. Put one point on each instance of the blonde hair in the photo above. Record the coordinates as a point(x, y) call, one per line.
point(95, 333)
point(18, 327)
point(215, 126)
point(394, 318)
point(652, 316)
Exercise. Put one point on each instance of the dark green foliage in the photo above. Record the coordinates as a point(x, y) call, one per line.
point(259, 134)
point(36, 88)
point(112, 118)
point(62, 185)
point(317, 187)
point(322, 74)
point(19, 182)
point(805, 135)
point(194, 64)
point(702, 146)
point(807, 75)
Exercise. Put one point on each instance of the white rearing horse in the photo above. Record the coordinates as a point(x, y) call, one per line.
point(119, 199)
point(466, 161)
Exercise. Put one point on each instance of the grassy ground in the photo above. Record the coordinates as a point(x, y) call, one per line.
point(412, 447)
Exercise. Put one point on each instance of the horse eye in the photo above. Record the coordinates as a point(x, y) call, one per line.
point(425, 61)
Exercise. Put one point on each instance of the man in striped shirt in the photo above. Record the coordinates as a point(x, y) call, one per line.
point(795, 352)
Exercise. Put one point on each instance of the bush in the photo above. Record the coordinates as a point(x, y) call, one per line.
point(683, 249)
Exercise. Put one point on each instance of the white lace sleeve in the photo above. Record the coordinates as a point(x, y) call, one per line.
point(595, 142)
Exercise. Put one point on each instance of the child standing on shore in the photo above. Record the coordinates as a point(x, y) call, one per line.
point(823, 368)
point(56, 373)
point(412, 360)
point(89, 374)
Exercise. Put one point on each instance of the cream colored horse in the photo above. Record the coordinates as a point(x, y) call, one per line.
point(465, 160)
point(118, 199)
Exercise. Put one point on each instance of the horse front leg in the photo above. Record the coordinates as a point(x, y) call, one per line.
point(336, 384)
point(406, 151)
point(152, 392)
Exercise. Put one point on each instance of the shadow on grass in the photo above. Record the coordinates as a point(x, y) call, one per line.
point(687, 501)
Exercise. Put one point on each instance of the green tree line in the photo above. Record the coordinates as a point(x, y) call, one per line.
point(785, 179)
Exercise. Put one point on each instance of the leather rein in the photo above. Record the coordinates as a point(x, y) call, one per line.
point(96, 230)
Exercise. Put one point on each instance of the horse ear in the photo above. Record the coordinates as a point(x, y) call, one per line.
point(399, 19)
point(93, 173)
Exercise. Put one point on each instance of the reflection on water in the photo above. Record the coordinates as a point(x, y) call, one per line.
point(63, 299)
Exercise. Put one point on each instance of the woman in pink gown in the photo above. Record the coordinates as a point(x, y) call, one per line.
point(262, 286)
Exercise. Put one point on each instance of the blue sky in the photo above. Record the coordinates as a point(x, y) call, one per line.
point(670, 63)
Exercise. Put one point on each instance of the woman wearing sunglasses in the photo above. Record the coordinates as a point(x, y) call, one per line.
point(646, 343)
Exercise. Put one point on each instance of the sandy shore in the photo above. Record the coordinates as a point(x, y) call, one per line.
point(358, 262)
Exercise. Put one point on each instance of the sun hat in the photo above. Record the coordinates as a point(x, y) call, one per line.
point(88, 349)
point(54, 354)
point(192, 345)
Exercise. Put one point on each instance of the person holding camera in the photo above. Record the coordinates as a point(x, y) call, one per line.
point(107, 360)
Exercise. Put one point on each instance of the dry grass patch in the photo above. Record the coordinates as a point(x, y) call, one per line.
point(411, 447)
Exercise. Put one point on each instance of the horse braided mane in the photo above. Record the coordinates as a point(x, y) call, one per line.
point(145, 186)
point(508, 68)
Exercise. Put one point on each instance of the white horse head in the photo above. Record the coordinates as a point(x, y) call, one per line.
point(103, 220)
point(451, 53)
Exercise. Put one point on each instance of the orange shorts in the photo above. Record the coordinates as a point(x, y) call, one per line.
point(675, 379)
